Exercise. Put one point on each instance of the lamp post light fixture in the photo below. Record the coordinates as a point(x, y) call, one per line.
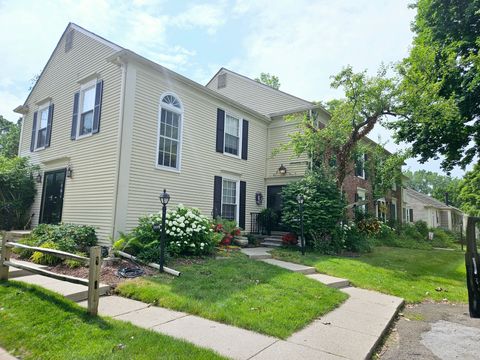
point(164, 199)
point(38, 178)
point(282, 170)
point(300, 200)
point(69, 171)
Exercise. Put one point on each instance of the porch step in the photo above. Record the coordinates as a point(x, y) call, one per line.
point(241, 240)
point(271, 243)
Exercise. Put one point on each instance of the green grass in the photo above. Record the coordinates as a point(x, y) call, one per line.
point(241, 292)
point(411, 274)
point(38, 324)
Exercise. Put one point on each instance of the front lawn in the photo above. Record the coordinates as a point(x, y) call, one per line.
point(415, 275)
point(241, 292)
point(38, 324)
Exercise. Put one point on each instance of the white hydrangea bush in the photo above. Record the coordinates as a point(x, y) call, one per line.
point(188, 231)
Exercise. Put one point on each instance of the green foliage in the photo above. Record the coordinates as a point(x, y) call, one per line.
point(25, 253)
point(435, 185)
point(323, 208)
point(443, 238)
point(470, 191)
point(270, 80)
point(17, 192)
point(46, 259)
point(72, 263)
point(441, 83)
point(422, 228)
point(356, 239)
point(226, 230)
point(68, 237)
point(266, 218)
point(9, 137)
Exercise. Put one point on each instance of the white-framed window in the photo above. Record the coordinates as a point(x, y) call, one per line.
point(41, 128)
point(360, 166)
point(86, 109)
point(230, 199)
point(232, 135)
point(381, 209)
point(170, 124)
point(394, 214)
point(361, 196)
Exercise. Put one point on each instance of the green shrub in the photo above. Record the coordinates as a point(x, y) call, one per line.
point(187, 233)
point(68, 237)
point(17, 192)
point(323, 209)
point(422, 228)
point(357, 239)
point(443, 238)
point(73, 264)
point(46, 259)
point(25, 253)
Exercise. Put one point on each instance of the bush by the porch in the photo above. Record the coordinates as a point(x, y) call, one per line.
point(323, 210)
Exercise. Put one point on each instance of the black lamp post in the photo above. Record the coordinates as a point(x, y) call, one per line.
point(300, 201)
point(164, 199)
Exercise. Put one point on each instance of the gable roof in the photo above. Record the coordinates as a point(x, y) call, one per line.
point(70, 26)
point(123, 52)
point(427, 200)
point(261, 97)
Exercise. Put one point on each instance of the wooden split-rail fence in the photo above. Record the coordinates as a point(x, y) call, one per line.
point(94, 262)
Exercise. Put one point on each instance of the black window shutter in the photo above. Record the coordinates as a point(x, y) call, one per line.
point(73, 132)
point(243, 200)
point(49, 126)
point(245, 140)
point(34, 129)
point(411, 214)
point(220, 129)
point(365, 167)
point(358, 166)
point(356, 197)
point(217, 197)
point(98, 107)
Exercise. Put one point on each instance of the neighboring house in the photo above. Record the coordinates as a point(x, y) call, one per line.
point(110, 130)
point(435, 213)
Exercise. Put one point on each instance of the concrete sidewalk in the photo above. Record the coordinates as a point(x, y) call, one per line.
point(4, 355)
point(349, 332)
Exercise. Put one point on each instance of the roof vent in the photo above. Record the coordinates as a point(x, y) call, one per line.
point(68, 41)
point(222, 81)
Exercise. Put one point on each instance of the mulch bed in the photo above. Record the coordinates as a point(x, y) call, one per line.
point(108, 274)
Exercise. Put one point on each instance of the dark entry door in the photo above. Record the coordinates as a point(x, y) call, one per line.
point(52, 197)
point(274, 202)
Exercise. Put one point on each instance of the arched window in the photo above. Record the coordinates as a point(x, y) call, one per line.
point(169, 132)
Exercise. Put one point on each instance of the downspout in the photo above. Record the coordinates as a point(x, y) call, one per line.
point(123, 66)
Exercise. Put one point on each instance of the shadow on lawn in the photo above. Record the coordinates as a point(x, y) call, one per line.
point(60, 302)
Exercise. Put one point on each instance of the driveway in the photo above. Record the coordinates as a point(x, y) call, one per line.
point(433, 331)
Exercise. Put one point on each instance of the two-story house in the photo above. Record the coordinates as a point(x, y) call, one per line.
point(111, 129)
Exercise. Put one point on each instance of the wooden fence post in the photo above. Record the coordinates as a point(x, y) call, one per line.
point(94, 279)
point(5, 257)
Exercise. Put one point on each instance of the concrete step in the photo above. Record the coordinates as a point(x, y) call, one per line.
point(257, 253)
point(331, 281)
point(291, 266)
point(241, 240)
point(69, 290)
point(271, 243)
point(273, 239)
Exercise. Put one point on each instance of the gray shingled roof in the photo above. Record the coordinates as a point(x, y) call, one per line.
point(427, 200)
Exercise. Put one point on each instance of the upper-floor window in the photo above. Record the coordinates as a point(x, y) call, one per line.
point(42, 123)
point(232, 135)
point(87, 104)
point(169, 132)
point(42, 126)
point(360, 166)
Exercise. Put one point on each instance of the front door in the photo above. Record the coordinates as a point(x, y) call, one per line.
point(52, 197)
point(274, 202)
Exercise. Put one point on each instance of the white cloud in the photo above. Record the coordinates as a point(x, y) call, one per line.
point(8, 102)
point(208, 16)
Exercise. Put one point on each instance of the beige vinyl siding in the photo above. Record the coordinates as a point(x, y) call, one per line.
point(256, 96)
point(89, 194)
point(278, 134)
point(193, 185)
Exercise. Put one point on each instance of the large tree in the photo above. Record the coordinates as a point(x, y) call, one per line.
point(9, 137)
point(443, 65)
point(470, 191)
point(270, 80)
point(435, 185)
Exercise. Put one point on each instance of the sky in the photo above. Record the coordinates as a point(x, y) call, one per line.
point(303, 42)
